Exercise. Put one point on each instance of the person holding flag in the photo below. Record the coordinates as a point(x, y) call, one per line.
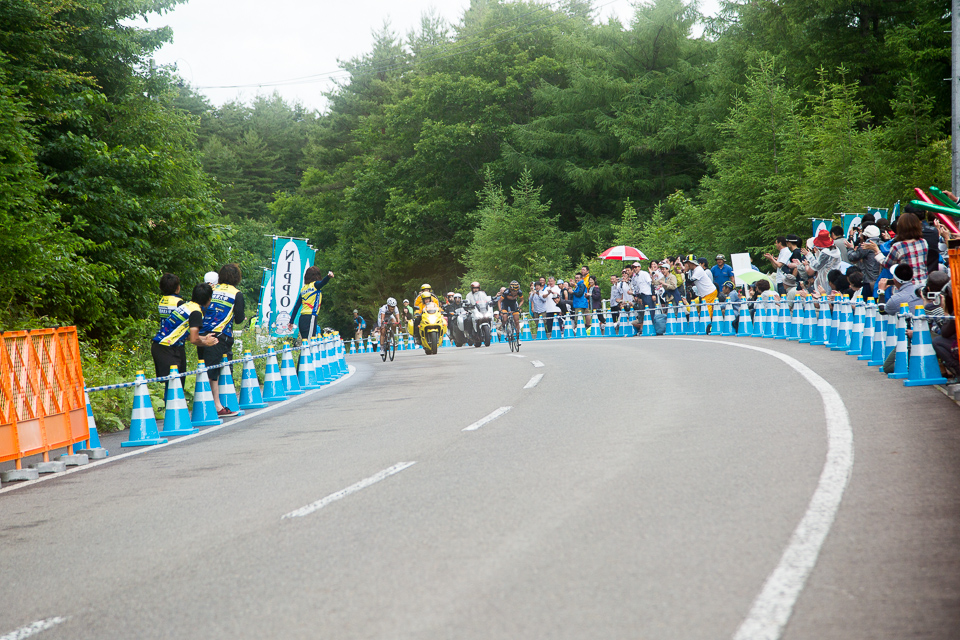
point(310, 298)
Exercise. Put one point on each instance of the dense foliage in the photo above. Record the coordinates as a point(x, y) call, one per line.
point(524, 138)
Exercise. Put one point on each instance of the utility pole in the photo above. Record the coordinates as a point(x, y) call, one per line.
point(954, 93)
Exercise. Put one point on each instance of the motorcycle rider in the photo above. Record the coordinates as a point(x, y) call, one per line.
point(511, 301)
point(388, 315)
point(426, 297)
point(450, 308)
point(475, 296)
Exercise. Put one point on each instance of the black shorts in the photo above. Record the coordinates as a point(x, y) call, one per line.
point(510, 306)
point(165, 356)
point(214, 355)
point(304, 325)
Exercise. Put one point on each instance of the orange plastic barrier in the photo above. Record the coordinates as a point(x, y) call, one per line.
point(953, 259)
point(42, 406)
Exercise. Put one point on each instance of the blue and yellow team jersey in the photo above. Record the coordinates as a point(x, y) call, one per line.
point(166, 306)
point(173, 330)
point(310, 298)
point(218, 317)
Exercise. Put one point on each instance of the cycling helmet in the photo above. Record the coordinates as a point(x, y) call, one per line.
point(474, 284)
point(391, 302)
point(514, 285)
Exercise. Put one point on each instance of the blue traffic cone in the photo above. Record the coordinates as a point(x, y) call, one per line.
point(680, 325)
point(690, 328)
point(809, 318)
point(834, 329)
point(745, 326)
point(556, 334)
point(671, 322)
point(703, 320)
point(568, 325)
point(143, 423)
point(93, 449)
point(353, 347)
point(901, 364)
point(758, 318)
point(226, 390)
point(445, 342)
point(288, 374)
point(541, 334)
point(204, 409)
point(890, 344)
point(339, 363)
point(879, 340)
point(306, 373)
point(856, 333)
point(795, 325)
point(844, 328)
point(324, 370)
point(525, 335)
point(581, 329)
point(866, 339)
point(821, 331)
point(924, 368)
point(250, 396)
point(272, 384)
point(726, 325)
point(716, 319)
point(176, 415)
point(768, 328)
point(608, 328)
point(525, 330)
point(646, 329)
point(780, 320)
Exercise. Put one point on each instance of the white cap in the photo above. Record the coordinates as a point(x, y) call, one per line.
point(871, 231)
point(211, 278)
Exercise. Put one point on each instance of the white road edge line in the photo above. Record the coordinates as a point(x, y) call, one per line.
point(136, 452)
point(490, 418)
point(534, 381)
point(773, 606)
point(33, 629)
point(516, 355)
point(536, 363)
point(343, 493)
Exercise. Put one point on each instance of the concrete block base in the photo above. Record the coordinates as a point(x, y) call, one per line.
point(73, 460)
point(95, 454)
point(49, 467)
point(19, 475)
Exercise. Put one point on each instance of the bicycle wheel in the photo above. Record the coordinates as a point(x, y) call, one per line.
point(384, 347)
point(393, 345)
point(516, 336)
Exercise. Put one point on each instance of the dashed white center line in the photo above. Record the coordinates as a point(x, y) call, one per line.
point(343, 493)
point(516, 355)
point(33, 629)
point(536, 363)
point(490, 418)
point(534, 381)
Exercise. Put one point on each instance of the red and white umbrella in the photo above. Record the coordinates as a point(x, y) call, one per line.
point(622, 252)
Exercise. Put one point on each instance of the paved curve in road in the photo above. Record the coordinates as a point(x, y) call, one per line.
point(641, 488)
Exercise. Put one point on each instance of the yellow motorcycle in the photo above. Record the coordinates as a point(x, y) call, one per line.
point(433, 324)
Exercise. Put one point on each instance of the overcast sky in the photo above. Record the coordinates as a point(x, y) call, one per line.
point(226, 43)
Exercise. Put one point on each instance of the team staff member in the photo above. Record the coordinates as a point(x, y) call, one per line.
point(310, 298)
point(226, 309)
point(170, 296)
point(183, 323)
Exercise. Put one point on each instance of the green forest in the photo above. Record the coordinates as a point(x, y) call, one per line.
point(523, 139)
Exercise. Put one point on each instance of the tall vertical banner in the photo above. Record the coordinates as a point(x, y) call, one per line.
point(851, 220)
point(877, 212)
point(821, 223)
point(291, 258)
point(266, 295)
point(896, 211)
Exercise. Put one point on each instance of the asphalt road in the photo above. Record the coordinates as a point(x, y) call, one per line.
point(644, 488)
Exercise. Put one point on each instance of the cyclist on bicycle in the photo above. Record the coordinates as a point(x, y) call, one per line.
point(510, 301)
point(388, 315)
